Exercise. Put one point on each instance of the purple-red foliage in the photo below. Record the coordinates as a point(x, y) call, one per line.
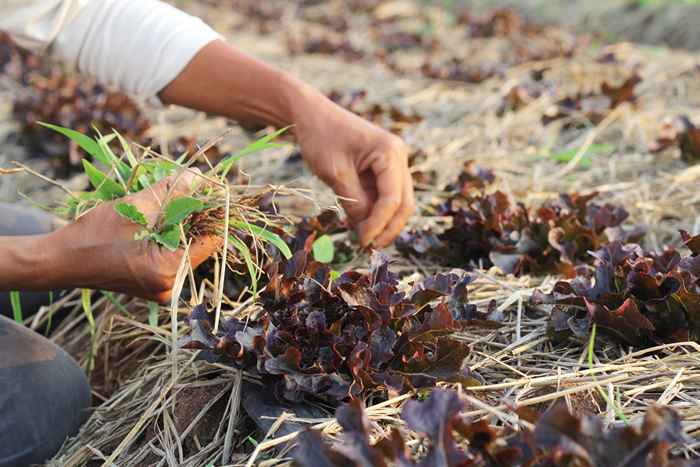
point(639, 298)
point(559, 439)
point(595, 106)
point(489, 229)
point(333, 339)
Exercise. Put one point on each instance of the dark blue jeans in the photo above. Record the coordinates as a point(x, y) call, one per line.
point(44, 395)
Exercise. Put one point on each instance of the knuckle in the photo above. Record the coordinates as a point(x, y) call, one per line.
point(396, 147)
point(329, 174)
point(393, 202)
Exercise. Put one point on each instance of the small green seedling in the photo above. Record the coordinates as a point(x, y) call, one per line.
point(323, 249)
point(16, 305)
point(586, 160)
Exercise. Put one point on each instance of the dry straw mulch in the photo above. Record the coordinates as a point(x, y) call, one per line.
point(160, 406)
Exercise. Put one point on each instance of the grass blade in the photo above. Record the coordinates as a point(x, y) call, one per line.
point(591, 346)
point(86, 299)
point(106, 188)
point(122, 168)
point(263, 143)
point(16, 304)
point(267, 236)
point(86, 143)
point(248, 259)
point(153, 314)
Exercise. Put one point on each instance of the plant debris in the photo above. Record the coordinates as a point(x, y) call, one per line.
point(77, 103)
point(594, 106)
point(326, 45)
point(559, 439)
point(456, 70)
point(679, 132)
point(19, 63)
point(331, 340)
point(387, 116)
point(639, 298)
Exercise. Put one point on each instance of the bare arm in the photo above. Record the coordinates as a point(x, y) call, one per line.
point(99, 251)
point(359, 160)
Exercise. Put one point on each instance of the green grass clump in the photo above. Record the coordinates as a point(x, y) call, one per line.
point(214, 208)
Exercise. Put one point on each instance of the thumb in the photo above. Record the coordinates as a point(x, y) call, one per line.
point(354, 199)
point(203, 247)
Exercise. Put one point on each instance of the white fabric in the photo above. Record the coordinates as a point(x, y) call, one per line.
point(138, 46)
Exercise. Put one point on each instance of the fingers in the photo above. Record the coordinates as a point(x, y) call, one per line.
point(389, 176)
point(397, 223)
point(356, 200)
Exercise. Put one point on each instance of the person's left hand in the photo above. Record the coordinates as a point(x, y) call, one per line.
point(99, 251)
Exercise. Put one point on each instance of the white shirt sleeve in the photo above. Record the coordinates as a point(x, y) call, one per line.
point(138, 46)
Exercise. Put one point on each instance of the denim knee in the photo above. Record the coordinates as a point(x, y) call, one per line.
point(44, 396)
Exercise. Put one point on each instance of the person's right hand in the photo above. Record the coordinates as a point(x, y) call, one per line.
point(365, 165)
point(99, 251)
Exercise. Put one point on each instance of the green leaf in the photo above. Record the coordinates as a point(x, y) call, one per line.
point(265, 235)
point(106, 139)
point(248, 259)
point(127, 150)
point(162, 169)
point(261, 144)
point(323, 249)
point(153, 314)
point(16, 306)
point(122, 168)
point(169, 237)
point(86, 143)
point(132, 213)
point(87, 307)
point(586, 160)
point(178, 209)
point(106, 188)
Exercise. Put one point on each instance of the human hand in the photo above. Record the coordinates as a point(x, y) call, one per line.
point(365, 165)
point(361, 162)
point(99, 250)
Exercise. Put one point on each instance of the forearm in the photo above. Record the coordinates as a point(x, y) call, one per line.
point(224, 81)
point(30, 263)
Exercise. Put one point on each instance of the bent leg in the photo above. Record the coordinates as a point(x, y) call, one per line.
point(44, 396)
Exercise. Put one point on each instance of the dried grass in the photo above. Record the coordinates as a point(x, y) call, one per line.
point(141, 377)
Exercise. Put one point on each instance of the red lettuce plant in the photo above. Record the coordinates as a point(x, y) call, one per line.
point(594, 106)
point(332, 339)
point(489, 229)
point(559, 439)
point(639, 298)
